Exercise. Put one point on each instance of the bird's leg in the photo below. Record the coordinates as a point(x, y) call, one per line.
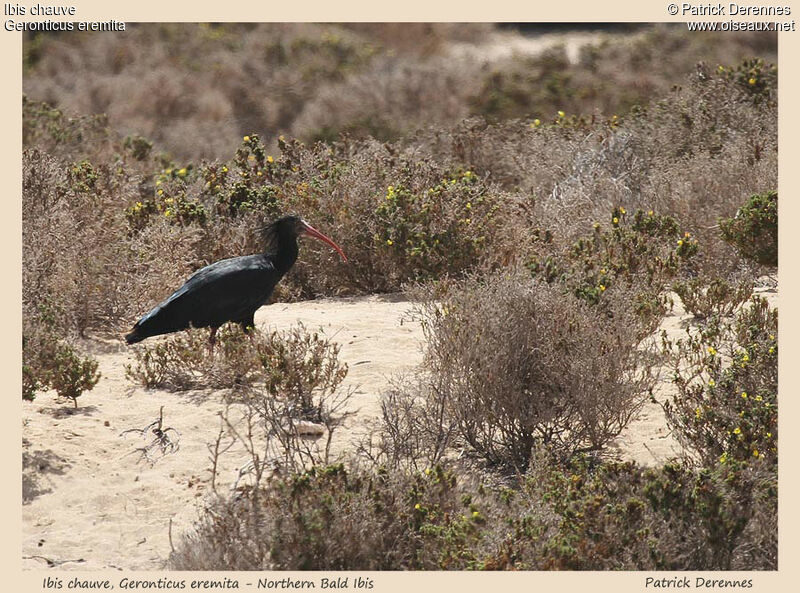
point(212, 339)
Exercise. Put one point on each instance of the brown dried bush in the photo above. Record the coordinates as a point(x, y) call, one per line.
point(512, 363)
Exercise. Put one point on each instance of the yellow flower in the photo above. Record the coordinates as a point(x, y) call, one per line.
point(602, 288)
point(615, 220)
point(537, 122)
point(680, 242)
point(270, 159)
point(769, 435)
point(561, 113)
point(744, 395)
point(182, 172)
point(160, 192)
point(698, 413)
point(158, 182)
point(469, 205)
point(427, 471)
point(737, 430)
point(389, 242)
point(755, 453)
point(711, 382)
point(246, 139)
point(771, 350)
point(418, 506)
point(724, 457)
point(721, 68)
point(649, 213)
point(468, 174)
point(475, 514)
point(772, 336)
point(752, 81)
point(168, 171)
point(224, 169)
point(621, 210)
point(259, 173)
point(687, 234)
point(711, 350)
point(759, 398)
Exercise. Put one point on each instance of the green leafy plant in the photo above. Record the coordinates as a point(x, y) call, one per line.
point(754, 229)
point(726, 372)
point(703, 298)
point(71, 375)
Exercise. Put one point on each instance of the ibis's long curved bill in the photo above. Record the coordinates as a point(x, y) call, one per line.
point(310, 230)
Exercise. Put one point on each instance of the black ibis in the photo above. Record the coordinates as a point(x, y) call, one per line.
point(231, 289)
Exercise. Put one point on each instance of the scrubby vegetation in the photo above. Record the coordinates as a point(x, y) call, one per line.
point(541, 211)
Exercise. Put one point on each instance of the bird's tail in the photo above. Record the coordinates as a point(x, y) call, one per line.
point(134, 336)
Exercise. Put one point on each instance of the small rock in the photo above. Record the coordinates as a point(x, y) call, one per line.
point(306, 428)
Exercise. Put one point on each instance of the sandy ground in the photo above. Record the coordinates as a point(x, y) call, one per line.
point(92, 502)
point(505, 44)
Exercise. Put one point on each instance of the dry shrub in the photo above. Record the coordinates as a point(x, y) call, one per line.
point(694, 155)
point(195, 89)
point(284, 388)
point(422, 39)
point(293, 364)
point(511, 363)
point(610, 76)
point(390, 99)
point(68, 253)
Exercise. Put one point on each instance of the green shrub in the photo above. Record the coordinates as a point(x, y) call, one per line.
point(635, 254)
point(51, 363)
point(704, 298)
point(138, 146)
point(582, 514)
point(726, 372)
point(758, 79)
point(334, 518)
point(70, 375)
point(754, 229)
point(615, 516)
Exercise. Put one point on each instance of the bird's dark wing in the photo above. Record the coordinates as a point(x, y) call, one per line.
point(228, 290)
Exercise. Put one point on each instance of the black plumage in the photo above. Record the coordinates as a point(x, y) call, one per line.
point(231, 289)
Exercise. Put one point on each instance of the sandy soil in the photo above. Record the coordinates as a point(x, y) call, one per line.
point(92, 502)
point(504, 44)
